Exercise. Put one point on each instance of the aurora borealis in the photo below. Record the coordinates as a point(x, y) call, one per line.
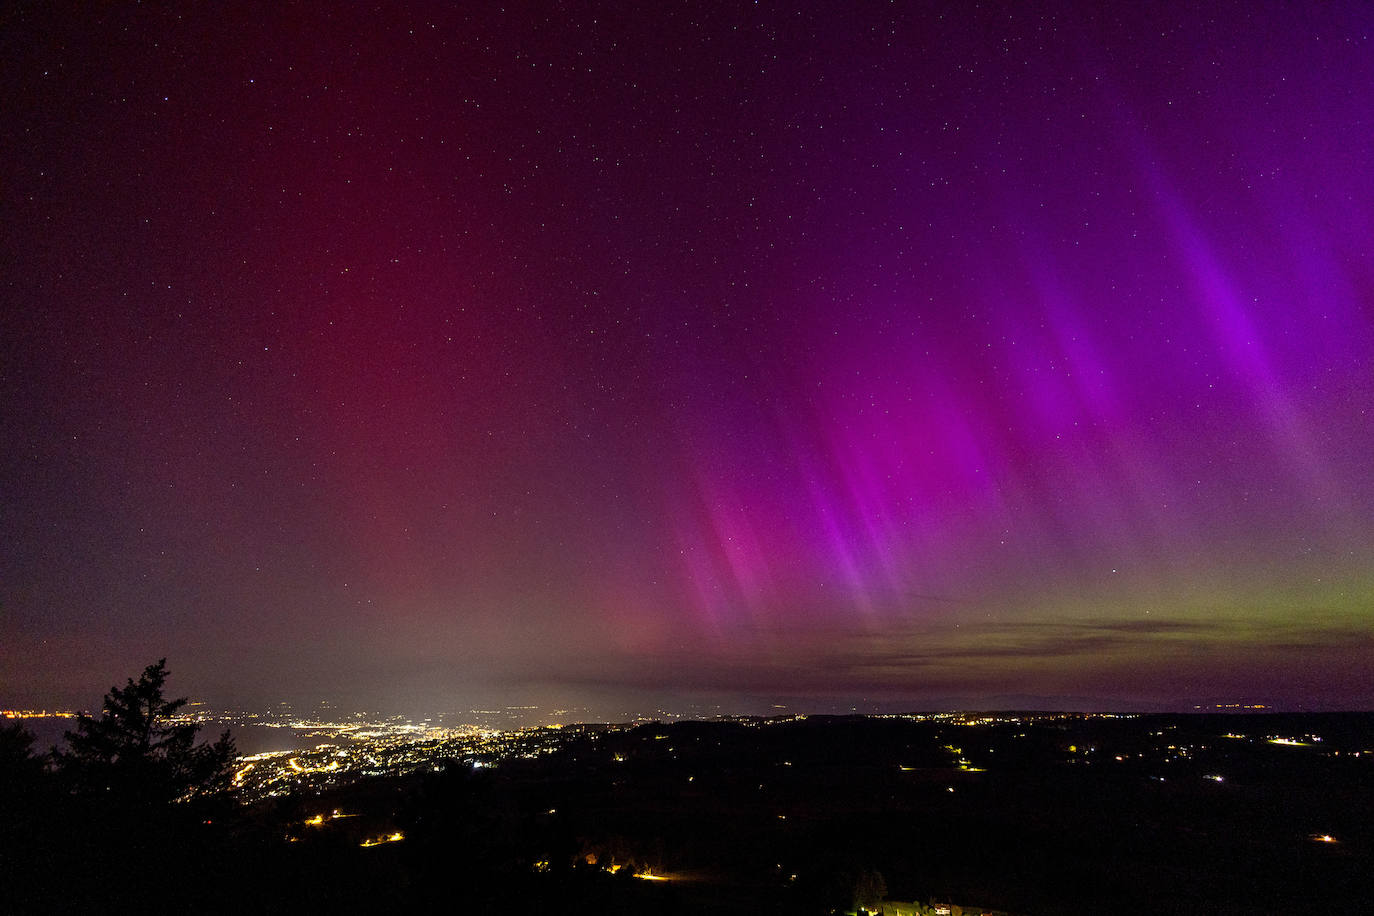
point(749, 354)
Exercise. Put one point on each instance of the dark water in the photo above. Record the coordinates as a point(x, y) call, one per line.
point(47, 731)
point(249, 739)
point(256, 739)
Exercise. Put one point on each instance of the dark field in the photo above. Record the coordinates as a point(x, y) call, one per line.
point(1037, 816)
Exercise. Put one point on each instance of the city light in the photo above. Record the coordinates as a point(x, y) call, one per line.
point(379, 841)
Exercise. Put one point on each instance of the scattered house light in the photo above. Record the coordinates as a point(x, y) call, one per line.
point(378, 841)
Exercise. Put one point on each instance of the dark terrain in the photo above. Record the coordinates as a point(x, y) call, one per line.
point(1038, 816)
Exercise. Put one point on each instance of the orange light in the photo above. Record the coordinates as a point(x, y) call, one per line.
point(390, 838)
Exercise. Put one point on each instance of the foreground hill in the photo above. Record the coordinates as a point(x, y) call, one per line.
point(1035, 815)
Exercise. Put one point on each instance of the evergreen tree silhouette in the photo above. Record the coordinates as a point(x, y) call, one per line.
point(138, 750)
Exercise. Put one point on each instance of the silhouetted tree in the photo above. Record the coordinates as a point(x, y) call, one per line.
point(17, 759)
point(29, 809)
point(138, 750)
point(138, 808)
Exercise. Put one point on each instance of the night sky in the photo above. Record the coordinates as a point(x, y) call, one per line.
point(650, 354)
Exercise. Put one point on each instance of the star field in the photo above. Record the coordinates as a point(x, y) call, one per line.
point(899, 354)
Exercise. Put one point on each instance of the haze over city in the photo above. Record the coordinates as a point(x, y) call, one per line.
point(689, 356)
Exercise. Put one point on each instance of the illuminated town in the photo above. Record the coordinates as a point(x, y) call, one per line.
point(325, 753)
point(349, 751)
point(629, 799)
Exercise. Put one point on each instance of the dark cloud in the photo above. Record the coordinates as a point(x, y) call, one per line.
point(984, 659)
